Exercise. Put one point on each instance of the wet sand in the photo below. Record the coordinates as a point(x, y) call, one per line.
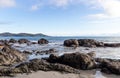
point(54, 74)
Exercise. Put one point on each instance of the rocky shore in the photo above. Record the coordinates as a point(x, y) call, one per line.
point(16, 62)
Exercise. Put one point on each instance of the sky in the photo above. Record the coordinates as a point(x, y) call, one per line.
point(60, 17)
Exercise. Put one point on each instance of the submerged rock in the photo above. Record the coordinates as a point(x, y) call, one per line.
point(27, 52)
point(76, 60)
point(43, 41)
point(50, 51)
point(9, 55)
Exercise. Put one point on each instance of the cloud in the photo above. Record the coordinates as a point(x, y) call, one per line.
point(7, 3)
point(110, 8)
point(54, 3)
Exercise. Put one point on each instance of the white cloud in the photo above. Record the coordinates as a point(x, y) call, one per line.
point(7, 3)
point(111, 9)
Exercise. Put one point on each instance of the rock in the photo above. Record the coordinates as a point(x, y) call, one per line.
point(76, 60)
point(109, 65)
point(92, 54)
point(21, 41)
point(9, 55)
point(4, 42)
point(50, 51)
point(112, 44)
point(12, 41)
point(71, 43)
point(38, 64)
point(90, 43)
point(34, 42)
point(43, 41)
point(27, 52)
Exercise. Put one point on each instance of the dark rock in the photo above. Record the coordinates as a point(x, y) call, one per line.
point(76, 60)
point(38, 64)
point(4, 42)
point(112, 44)
point(90, 43)
point(43, 41)
point(50, 51)
point(12, 41)
point(27, 52)
point(109, 65)
point(34, 42)
point(71, 43)
point(21, 41)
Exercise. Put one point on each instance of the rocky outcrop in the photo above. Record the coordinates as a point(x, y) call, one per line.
point(35, 65)
point(9, 56)
point(21, 41)
point(112, 44)
point(12, 41)
point(4, 42)
point(88, 43)
point(71, 43)
point(43, 41)
point(76, 60)
point(109, 65)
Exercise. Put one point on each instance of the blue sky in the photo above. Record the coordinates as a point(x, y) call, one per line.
point(60, 17)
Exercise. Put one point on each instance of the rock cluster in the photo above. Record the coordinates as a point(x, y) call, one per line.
point(88, 43)
point(22, 41)
point(35, 65)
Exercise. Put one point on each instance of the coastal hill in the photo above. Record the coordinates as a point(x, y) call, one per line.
point(22, 34)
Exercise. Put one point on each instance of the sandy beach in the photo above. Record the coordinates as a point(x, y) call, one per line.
point(54, 74)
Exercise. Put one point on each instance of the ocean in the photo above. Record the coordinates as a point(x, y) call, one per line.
point(57, 43)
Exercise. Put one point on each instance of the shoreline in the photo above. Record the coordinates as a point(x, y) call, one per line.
point(55, 74)
point(72, 63)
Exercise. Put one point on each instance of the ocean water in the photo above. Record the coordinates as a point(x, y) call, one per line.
point(57, 43)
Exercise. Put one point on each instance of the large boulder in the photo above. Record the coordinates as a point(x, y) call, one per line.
point(71, 43)
point(43, 41)
point(9, 56)
point(76, 60)
point(21, 41)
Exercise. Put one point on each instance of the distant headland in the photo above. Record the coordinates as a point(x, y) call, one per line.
point(22, 34)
